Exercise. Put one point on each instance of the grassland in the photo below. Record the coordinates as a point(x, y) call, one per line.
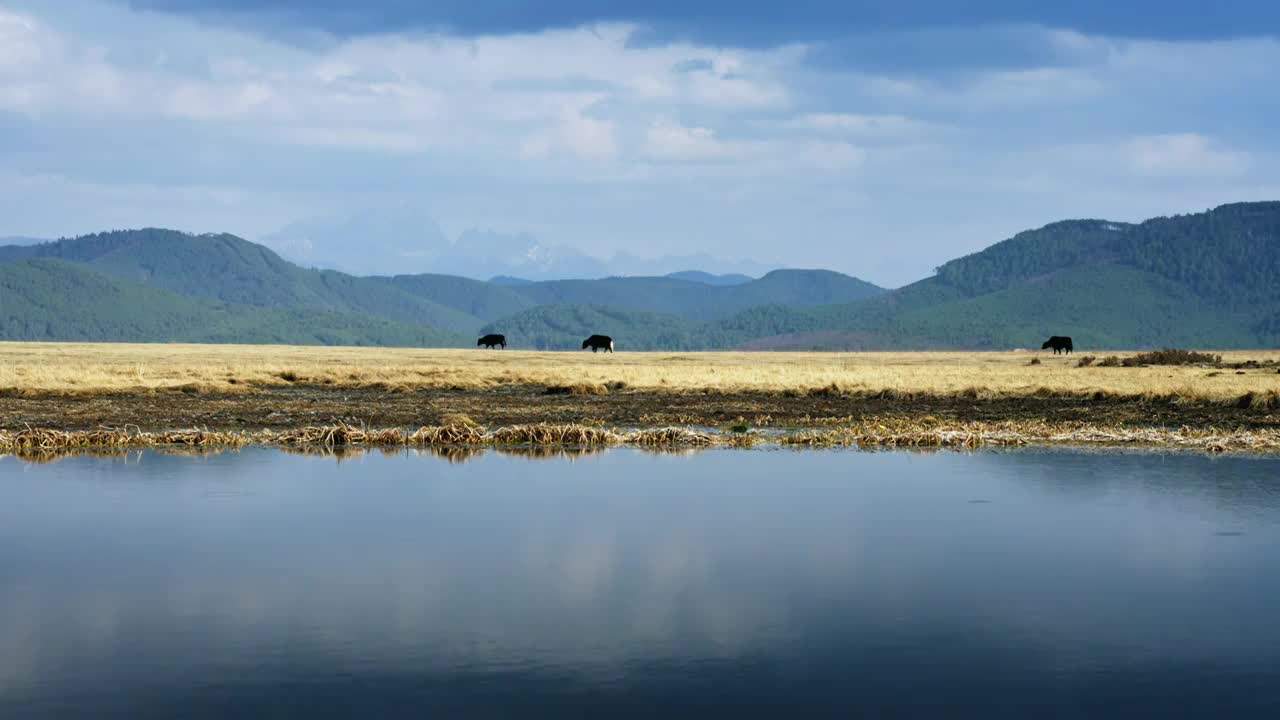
point(837, 398)
point(92, 368)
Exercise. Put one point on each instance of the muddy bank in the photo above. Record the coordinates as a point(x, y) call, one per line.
point(302, 405)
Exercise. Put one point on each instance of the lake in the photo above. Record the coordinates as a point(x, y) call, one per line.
point(750, 583)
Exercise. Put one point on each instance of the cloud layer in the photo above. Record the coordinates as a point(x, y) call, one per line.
point(813, 148)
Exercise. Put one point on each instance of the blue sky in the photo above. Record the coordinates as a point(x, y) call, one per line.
point(876, 138)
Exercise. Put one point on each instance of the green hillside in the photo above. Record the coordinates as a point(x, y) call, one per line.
point(485, 300)
point(47, 299)
point(227, 268)
point(1229, 256)
point(1099, 306)
point(1204, 279)
point(563, 327)
point(697, 300)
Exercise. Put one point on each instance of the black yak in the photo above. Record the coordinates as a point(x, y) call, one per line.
point(1058, 343)
point(598, 342)
point(491, 341)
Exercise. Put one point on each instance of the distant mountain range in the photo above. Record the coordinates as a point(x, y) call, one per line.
point(407, 239)
point(707, 278)
point(697, 276)
point(1206, 280)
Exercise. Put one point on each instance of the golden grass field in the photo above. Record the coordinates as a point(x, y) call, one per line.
point(89, 368)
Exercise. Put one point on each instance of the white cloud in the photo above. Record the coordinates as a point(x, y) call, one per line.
point(858, 123)
point(19, 46)
point(201, 101)
point(671, 141)
point(868, 128)
point(831, 156)
point(354, 137)
point(573, 132)
point(1183, 155)
point(390, 92)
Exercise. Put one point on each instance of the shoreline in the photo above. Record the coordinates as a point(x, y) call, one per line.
point(869, 433)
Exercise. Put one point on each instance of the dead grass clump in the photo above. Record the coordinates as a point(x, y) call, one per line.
point(288, 375)
point(670, 436)
point(456, 433)
point(1034, 361)
point(385, 436)
point(208, 388)
point(1085, 361)
point(339, 435)
point(900, 432)
point(36, 439)
point(553, 434)
point(46, 440)
point(577, 389)
point(892, 394)
point(978, 393)
point(43, 439)
point(742, 440)
point(1173, 356)
point(1109, 361)
point(816, 438)
point(829, 391)
point(1269, 400)
point(200, 438)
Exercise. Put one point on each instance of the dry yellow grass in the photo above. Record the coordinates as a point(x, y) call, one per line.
point(110, 367)
point(43, 444)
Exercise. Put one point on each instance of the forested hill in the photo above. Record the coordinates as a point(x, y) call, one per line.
point(227, 268)
point(1229, 255)
point(49, 299)
point(1206, 279)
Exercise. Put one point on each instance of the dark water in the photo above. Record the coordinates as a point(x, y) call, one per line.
point(733, 583)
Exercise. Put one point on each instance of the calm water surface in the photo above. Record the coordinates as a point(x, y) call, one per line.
point(734, 583)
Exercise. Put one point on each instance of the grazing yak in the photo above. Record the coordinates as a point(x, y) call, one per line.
point(1059, 343)
point(598, 342)
point(491, 341)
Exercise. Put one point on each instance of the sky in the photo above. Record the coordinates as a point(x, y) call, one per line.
point(875, 138)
